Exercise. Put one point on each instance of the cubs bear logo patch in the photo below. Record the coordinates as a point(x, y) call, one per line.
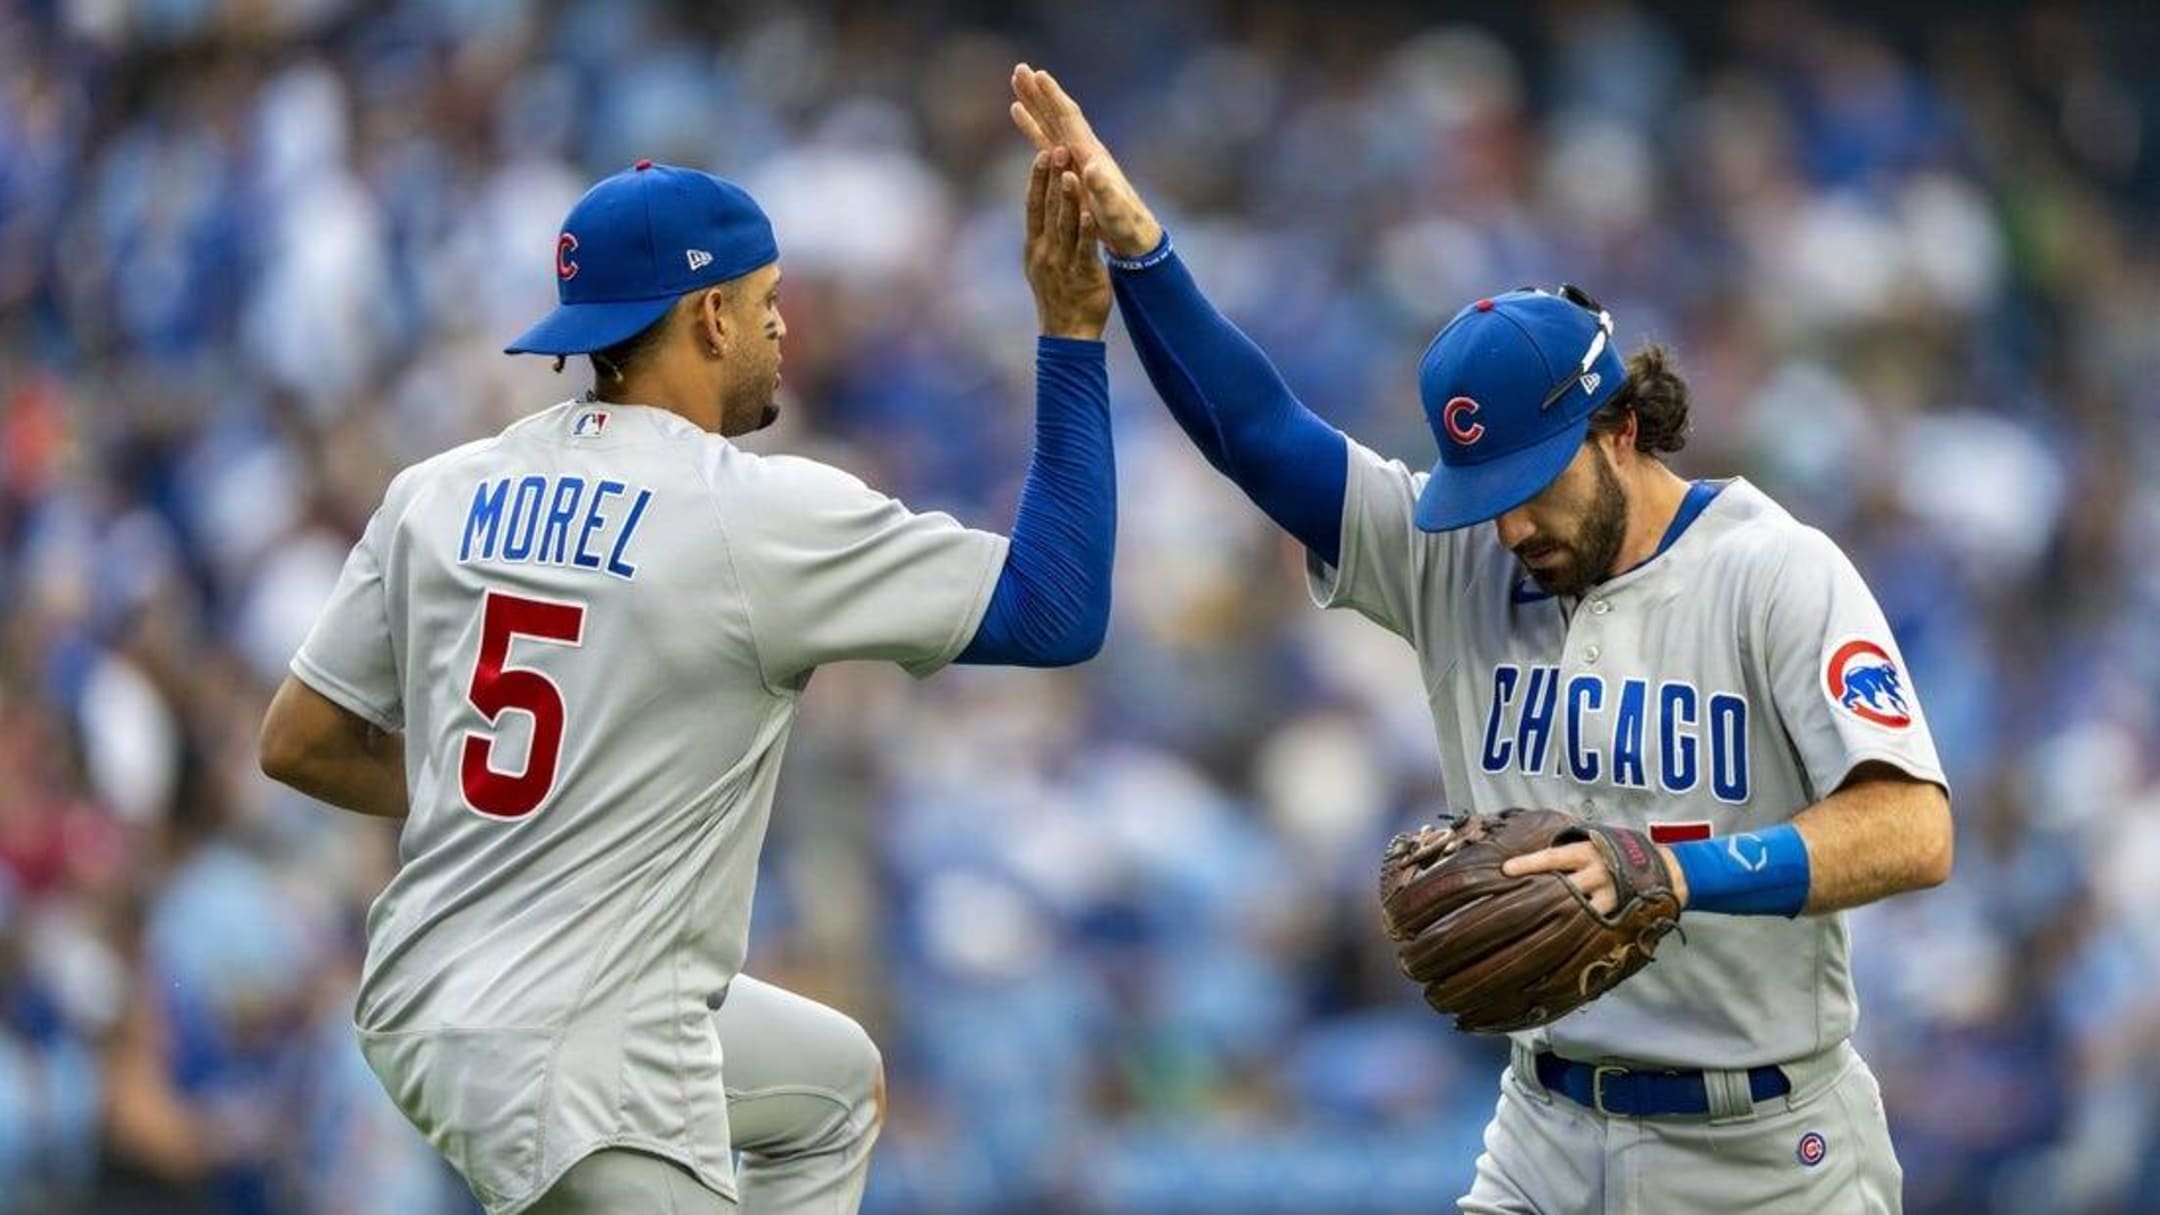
point(1862, 680)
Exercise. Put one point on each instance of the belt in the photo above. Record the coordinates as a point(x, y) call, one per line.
point(1632, 1093)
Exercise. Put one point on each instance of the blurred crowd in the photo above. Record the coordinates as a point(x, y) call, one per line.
point(1114, 927)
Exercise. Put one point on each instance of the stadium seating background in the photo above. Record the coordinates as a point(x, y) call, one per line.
point(1113, 927)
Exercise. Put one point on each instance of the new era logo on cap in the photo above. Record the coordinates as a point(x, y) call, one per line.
point(698, 259)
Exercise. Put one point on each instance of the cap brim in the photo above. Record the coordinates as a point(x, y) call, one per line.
point(584, 328)
point(1459, 495)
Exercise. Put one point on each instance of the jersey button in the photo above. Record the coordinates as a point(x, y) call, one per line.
point(1598, 607)
point(1590, 653)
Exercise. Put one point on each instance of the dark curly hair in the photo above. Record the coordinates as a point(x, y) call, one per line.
point(1657, 396)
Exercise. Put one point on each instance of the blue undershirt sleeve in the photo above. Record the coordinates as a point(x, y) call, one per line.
point(1229, 398)
point(1051, 604)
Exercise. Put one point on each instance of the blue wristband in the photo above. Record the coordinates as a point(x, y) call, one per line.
point(1753, 873)
point(1153, 257)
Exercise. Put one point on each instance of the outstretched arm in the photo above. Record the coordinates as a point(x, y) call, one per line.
point(1051, 605)
point(1234, 405)
point(1218, 385)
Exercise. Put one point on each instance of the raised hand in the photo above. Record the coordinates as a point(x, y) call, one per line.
point(1049, 117)
point(1064, 268)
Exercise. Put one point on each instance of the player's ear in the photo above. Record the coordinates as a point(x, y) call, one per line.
point(711, 321)
point(1622, 438)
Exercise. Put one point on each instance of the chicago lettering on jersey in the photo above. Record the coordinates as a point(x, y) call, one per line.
point(1592, 732)
point(554, 521)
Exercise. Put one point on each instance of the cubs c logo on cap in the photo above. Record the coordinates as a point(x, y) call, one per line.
point(1863, 680)
point(1456, 417)
point(565, 245)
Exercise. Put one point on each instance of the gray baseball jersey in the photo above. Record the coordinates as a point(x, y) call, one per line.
point(1722, 686)
point(592, 630)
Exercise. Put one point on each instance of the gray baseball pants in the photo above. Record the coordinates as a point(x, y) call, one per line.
point(806, 1094)
point(1823, 1149)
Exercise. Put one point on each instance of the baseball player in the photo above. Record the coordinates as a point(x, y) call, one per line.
point(1600, 636)
point(568, 657)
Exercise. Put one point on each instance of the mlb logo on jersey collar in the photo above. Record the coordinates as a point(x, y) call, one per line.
point(1509, 386)
point(589, 424)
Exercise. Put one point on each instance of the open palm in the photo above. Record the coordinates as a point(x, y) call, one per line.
point(1049, 116)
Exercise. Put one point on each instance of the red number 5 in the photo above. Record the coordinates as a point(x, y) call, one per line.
point(496, 689)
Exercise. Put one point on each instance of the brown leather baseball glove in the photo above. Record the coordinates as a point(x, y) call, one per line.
point(1502, 953)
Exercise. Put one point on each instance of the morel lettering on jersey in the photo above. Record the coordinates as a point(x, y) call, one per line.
point(1623, 733)
point(554, 521)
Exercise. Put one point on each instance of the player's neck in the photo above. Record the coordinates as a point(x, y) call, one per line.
point(1655, 493)
point(651, 388)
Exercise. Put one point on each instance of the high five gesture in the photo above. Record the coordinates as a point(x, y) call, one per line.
point(1071, 286)
point(1047, 115)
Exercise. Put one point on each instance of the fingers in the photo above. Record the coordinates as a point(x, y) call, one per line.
point(1528, 863)
point(1577, 864)
point(1596, 885)
point(1029, 93)
point(1052, 121)
point(1066, 236)
point(1056, 115)
point(1038, 187)
point(1054, 219)
point(1565, 859)
point(1029, 127)
point(1085, 245)
point(1065, 111)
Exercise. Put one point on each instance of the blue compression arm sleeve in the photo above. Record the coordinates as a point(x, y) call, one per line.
point(1051, 605)
point(1755, 873)
point(1233, 403)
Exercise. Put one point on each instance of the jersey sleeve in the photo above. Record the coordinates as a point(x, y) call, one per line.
point(832, 569)
point(348, 656)
point(1381, 571)
point(1843, 691)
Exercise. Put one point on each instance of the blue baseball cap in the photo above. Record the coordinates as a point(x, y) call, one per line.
point(637, 242)
point(1509, 386)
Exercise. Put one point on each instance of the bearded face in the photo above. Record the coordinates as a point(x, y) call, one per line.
point(1576, 526)
point(750, 392)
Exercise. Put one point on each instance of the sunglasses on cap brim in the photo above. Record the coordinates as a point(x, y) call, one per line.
point(1598, 341)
